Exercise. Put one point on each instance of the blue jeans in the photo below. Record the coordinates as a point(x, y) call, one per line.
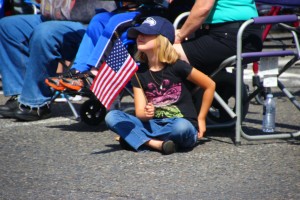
point(89, 41)
point(136, 133)
point(98, 36)
point(29, 52)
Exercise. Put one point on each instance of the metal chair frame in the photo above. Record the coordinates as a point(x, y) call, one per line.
point(275, 53)
point(237, 60)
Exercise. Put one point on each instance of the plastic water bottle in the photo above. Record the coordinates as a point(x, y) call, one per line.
point(269, 110)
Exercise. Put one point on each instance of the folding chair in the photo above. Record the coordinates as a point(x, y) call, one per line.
point(295, 54)
point(221, 114)
point(272, 8)
point(245, 58)
point(92, 111)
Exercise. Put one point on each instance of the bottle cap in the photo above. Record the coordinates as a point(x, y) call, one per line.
point(270, 95)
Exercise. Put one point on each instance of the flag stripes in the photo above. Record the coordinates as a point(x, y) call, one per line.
point(114, 74)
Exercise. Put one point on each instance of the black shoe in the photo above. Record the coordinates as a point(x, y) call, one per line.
point(168, 147)
point(25, 113)
point(9, 108)
point(125, 145)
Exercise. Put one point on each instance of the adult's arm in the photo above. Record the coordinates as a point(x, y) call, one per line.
point(196, 18)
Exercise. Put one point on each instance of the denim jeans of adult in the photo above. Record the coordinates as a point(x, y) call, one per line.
point(98, 36)
point(29, 53)
point(93, 32)
point(136, 133)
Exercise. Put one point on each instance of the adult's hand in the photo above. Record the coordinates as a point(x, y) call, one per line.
point(196, 18)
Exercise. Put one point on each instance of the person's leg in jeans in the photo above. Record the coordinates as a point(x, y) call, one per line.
point(50, 42)
point(179, 130)
point(129, 127)
point(15, 33)
point(156, 131)
point(116, 21)
point(97, 37)
point(93, 32)
point(89, 41)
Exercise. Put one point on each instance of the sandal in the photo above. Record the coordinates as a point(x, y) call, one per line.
point(54, 81)
point(78, 82)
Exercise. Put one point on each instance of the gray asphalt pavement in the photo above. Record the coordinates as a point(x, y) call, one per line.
point(61, 158)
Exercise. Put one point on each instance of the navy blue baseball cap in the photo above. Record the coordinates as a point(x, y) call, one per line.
point(154, 25)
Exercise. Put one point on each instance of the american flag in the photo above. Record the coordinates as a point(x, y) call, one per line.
point(114, 74)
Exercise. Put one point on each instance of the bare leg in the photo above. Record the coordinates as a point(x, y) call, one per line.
point(94, 71)
point(167, 147)
point(155, 144)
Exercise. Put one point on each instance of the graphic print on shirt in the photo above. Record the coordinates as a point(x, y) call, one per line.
point(163, 99)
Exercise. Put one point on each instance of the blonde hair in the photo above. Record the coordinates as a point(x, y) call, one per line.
point(164, 50)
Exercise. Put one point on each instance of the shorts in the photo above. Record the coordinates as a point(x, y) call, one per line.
point(215, 43)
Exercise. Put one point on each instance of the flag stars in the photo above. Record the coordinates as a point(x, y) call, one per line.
point(117, 57)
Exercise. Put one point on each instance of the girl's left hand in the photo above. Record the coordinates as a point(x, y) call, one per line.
point(202, 128)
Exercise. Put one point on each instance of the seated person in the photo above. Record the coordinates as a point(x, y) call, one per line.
point(215, 25)
point(31, 46)
point(35, 99)
point(92, 48)
point(165, 116)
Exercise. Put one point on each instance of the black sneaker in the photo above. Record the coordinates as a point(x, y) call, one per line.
point(125, 145)
point(25, 113)
point(168, 147)
point(9, 108)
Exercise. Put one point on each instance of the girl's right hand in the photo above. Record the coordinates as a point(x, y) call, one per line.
point(149, 110)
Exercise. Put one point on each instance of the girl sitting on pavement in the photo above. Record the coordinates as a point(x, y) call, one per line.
point(165, 116)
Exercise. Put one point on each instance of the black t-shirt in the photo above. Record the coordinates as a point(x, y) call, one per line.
point(169, 90)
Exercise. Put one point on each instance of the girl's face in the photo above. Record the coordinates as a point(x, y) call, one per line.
point(146, 43)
